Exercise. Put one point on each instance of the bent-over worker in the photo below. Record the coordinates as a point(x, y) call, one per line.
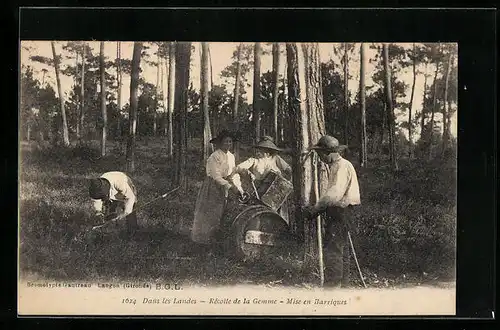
point(113, 195)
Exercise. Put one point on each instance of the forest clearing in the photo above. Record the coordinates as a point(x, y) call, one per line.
point(404, 153)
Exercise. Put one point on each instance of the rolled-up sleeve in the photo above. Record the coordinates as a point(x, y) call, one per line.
point(214, 171)
point(339, 182)
point(129, 196)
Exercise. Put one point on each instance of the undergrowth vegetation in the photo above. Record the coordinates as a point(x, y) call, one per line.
point(405, 228)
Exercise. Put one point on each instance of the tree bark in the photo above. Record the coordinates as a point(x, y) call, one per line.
point(410, 106)
point(236, 116)
point(306, 103)
point(182, 59)
point(256, 90)
point(104, 111)
point(346, 93)
point(362, 90)
point(76, 84)
point(390, 108)
point(207, 134)
point(171, 98)
point(276, 65)
point(82, 96)
point(61, 97)
point(446, 129)
point(134, 86)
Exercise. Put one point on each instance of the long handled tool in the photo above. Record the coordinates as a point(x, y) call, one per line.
point(138, 208)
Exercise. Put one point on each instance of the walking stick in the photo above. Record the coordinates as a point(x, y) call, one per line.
point(356, 258)
point(319, 227)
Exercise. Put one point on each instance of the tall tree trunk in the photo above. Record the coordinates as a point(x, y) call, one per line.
point(362, 91)
point(61, 97)
point(157, 92)
point(162, 88)
point(119, 89)
point(276, 65)
point(236, 116)
point(390, 108)
point(256, 90)
point(422, 115)
point(76, 84)
point(82, 95)
point(446, 129)
point(433, 110)
point(306, 103)
point(346, 93)
point(102, 69)
point(171, 98)
point(207, 134)
point(182, 59)
point(134, 86)
point(410, 106)
point(211, 71)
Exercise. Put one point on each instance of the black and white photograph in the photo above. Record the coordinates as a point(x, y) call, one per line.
point(244, 178)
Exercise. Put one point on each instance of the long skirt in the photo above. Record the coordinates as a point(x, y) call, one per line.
point(209, 209)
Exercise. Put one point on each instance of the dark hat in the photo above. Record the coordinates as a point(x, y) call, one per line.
point(267, 142)
point(328, 143)
point(225, 133)
point(99, 188)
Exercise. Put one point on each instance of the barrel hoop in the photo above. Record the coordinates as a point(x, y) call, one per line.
point(249, 209)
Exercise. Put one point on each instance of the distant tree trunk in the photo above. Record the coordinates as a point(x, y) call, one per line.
point(134, 86)
point(433, 110)
point(306, 103)
point(410, 106)
point(346, 93)
point(446, 128)
point(276, 65)
point(119, 89)
point(211, 71)
point(256, 90)
point(76, 84)
point(207, 134)
point(171, 98)
point(422, 115)
point(362, 91)
point(82, 95)
point(182, 59)
point(61, 97)
point(162, 88)
point(157, 92)
point(236, 116)
point(383, 129)
point(102, 69)
point(390, 108)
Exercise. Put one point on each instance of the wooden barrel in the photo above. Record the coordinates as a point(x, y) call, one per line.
point(255, 232)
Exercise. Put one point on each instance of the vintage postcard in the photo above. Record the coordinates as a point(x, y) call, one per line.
point(223, 178)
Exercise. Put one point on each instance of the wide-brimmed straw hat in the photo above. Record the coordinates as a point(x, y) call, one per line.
point(267, 143)
point(225, 133)
point(99, 188)
point(329, 143)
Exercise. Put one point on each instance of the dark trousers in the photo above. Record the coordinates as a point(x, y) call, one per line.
point(336, 240)
point(111, 210)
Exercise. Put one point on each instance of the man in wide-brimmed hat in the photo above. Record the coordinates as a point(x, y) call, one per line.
point(341, 193)
point(113, 197)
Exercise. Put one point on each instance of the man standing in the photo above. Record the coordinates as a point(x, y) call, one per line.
point(342, 191)
point(113, 196)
